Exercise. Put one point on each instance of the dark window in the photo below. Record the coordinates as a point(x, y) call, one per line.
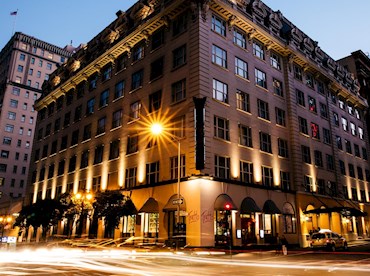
point(137, 79)
point(246, 172)
point(222, 167)
point(45, 151)
point(64, 142)
point(74, 140)
point(135, 110)
point(101, 125)
point(278, 87)
point(93, 80)
point(54, 147)
point(117, 118)
point(174, 161)
point(107, 73)
point(57, 125)
point(242, 101)
point(326, 135)
point(152, 173)
point(318, 158)
point(90, 106)
point(263, 109)
point(122, 62)
point(130, 177)
point(283, 148)
point(132, 143)
point(267, 177)
point(67, 119)
point(300, 98)
point(119, 90)
point(280, 116)
point(155, 100)
point(178, 91)
point(78, 113)
point(104, 98)
point(245, 136)
point(84, 159)
point(80, 90)
point(98, 157)
point(138, 51)
point(72, 163)
point(260, 78)
point(329, 162)
point(303, 125)
point(342, 167)
point(265, 142)
point(61, 167)
point(87, 132)
point(221, 128)
point(114, 149)
point(156, 69)
point(179, 56)
point(157, 38)
point(179, 24)
point(306, 154)
point(351, 170)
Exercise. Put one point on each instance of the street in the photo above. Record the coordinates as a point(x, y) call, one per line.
point(69, 261)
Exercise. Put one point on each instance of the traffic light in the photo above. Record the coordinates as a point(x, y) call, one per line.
point(227, 206)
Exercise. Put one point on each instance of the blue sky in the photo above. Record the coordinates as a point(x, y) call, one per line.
point(340, 26)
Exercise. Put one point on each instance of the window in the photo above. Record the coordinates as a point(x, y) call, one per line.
point(13, 103)
point(285, 180)
point(40, 63)
point(38, 74)
point(20, 68)
point(348, 146)
point(260, 78)
point(21, 131)
point(3, 167)
point(360, 133)
point(54, 147)
point(67, 119)
point(315, 131)
point(308, 184)
point(130, 177)
point(48, 129)
point(245, 136)
point(101, 125)
point(280, 117)
point(178, 126)
point(342, 167)
point(357, 114)
point(135, 111)
point(339, 142)
point(342, 103)
point(241, 68)
point(12, 115)
point(179, 56)
point(220, 91)
point(119, 89)
point(22, 57)
point(267, 177)
point(242, 101)
point(306, 154)
point(336, 119)
point(137, 79)
point(4, 154)
point(93, 81)
point(72, 163)
point(117, 118)
point(222, 167)
point(330, 162)
point(114, 149)
point(298, 72)
point(344, 124)
point(283, 148)
point(300, 98)
point(31, 120)
point(61, 166)
point(312, 104)
point(364, 154)
point(178, 91)
point(7, 141)
point(107, 73)
point(64, 142)
point(350, 109)
point(44, 151)
point(69, 97)
point(318, 158)
point(179, 24)
point(84, 159)
point(221, 128)
point(258, 50)
point(156, 69)
point(16, 91)
point(240, 39)
point(49, 66)
point(138, 51)
point(327, 136)
point(90, 106)
point(104, 98)
point(132, 143)
point(74, 140)
point(309, 81)
point(99, 151)
point(57, 125)
point(9, 128)
point(152, 173)
point(263, 110)
point(246, 172)
point(87, 132)
point(275, 60)
point(174, 161)
point(360, 174)
point(33, 60)
point(80, 90)
point(278, 87)
point(353, 129)
point(78, 113)
point(351, 170)
point(157, 38)
point(218, 25)
point(155, 100)
point(357, 150)
point(265, 142)
point(122, 62)
point(219, 56)
point(324, 111)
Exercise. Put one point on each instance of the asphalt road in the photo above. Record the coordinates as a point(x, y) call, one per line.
point(58, 261)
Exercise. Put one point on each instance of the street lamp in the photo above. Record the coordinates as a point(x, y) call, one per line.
point(157, 130)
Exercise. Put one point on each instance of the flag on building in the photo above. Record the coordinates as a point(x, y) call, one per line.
point(14, 13)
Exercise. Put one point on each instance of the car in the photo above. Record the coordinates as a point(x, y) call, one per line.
point(328, 239)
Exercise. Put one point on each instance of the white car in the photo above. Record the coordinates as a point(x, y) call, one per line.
point(328, 239)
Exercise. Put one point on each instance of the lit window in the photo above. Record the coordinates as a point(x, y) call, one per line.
point(220, 91)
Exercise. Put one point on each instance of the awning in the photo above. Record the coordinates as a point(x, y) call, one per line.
point(150, 206)
point(130, 207)
point(172, 204)
point(224, 202)
point(249, 206)
point(270, 208)
point(344, 211)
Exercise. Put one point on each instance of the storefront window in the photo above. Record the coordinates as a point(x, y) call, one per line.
point(222, 227)
point(151, 226)
point(248, 227)
point(128, 228)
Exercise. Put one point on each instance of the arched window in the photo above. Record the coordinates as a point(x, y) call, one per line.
point(289, 220)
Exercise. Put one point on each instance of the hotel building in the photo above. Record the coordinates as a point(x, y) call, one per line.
point(265, 130)
point(25, 62)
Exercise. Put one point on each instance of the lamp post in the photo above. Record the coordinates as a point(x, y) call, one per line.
point(84, 199)
point(157, 129)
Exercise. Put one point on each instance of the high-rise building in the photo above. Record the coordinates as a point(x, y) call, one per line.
point(25, 63)
point(264, 133)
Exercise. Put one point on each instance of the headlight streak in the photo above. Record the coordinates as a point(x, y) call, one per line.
point(130, 262)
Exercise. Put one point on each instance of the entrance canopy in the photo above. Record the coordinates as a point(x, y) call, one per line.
point(249, 206)
point(130, 207)
point(344, 211)
point(150, 206)
point(270, 208)
point(172, 204)
point(224, 202)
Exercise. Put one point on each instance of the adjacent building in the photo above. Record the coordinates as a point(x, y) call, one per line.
point(264, 133)
point(25, 63)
